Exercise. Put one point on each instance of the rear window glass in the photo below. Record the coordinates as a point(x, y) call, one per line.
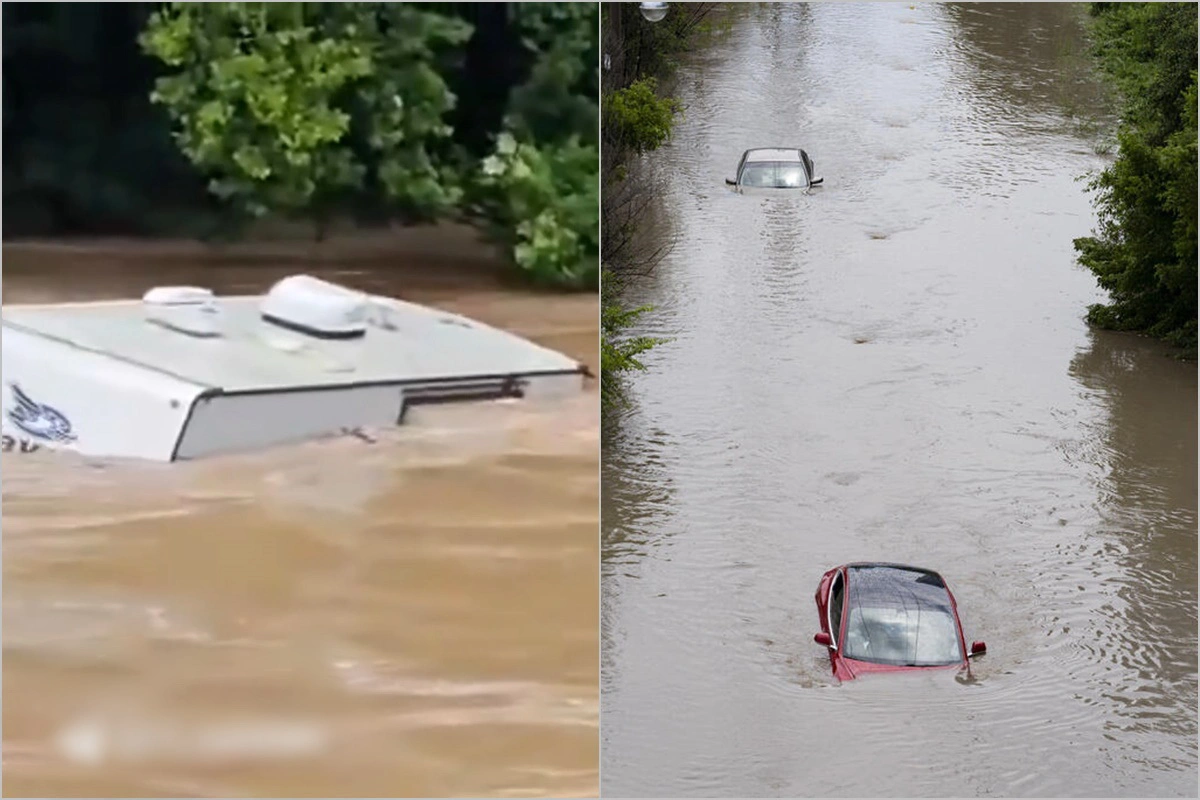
point(900, 617)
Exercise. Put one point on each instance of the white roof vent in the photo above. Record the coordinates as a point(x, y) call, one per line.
point(317, 308)
point(186, 309)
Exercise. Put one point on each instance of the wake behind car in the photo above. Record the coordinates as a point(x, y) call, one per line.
point(878, 617)
point(775, 168)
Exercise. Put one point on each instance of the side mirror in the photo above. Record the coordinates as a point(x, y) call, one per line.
point(730, 182)
point(977, 649)
point(816, 181)
point(823, 639)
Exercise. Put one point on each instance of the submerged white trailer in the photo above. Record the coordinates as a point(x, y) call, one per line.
point(185, 374)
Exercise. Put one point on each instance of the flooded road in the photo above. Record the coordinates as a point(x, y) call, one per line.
point(415, 616)
point(894, 367)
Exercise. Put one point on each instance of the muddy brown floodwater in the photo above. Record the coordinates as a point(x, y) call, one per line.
point(416, 616)
point(895, 367)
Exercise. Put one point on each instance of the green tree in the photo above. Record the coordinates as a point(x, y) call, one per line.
point(539, 189)
point(325, 108)
point(560, 98)
point(317, 111)
point(1144, 252)
point(543, 202)
point(292, 107)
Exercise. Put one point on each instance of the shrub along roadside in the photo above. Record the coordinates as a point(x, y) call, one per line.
point(1144, 252)
point(619, 352)
point(636, 120)
point(544, 204)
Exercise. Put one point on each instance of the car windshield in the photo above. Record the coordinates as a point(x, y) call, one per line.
point(900, 617)
point(774, 175)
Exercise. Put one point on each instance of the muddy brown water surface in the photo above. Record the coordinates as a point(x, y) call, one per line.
point(416, 616)
point(895, 367)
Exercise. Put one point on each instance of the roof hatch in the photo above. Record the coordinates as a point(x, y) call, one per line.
point(187, 309)
point(317, 308)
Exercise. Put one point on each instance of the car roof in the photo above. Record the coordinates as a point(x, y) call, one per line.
point(773, 154)
point(897, 586)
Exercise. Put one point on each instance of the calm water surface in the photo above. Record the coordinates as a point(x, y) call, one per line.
point(411, 617)
point(894, 367)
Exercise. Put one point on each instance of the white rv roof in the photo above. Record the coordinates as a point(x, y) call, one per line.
point(772, 154)
point(427, 344)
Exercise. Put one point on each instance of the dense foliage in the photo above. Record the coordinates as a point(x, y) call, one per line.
point(539, 190)
point(636, 118)
point(545, 202)
point(373, 112)
point(1144, 252)
point(290, 106)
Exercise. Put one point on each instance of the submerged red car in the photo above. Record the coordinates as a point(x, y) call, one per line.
point(889, 618)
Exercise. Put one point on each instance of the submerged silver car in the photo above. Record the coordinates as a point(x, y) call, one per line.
point(775, 168)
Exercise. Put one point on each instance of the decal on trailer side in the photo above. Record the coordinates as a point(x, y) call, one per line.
point(38, 420)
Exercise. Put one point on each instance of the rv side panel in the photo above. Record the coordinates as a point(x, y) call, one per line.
point(228, 423)
point(61, 396)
